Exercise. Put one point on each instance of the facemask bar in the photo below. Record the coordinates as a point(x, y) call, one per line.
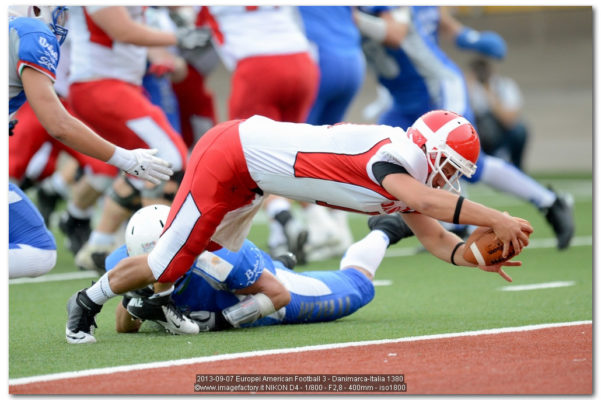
point(461, 165)
point(59, 18)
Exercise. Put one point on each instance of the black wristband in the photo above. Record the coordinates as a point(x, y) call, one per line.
point(454, 251)
point(458, 210)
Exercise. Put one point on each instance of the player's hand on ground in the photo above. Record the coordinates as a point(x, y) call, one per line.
point(497, 268)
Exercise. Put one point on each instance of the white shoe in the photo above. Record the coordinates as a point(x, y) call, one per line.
point(91, 257)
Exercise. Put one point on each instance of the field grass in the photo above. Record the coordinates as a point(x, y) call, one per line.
point(426, 296)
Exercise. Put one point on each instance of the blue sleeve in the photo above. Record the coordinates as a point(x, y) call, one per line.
point(38, 48)
point(117, 255)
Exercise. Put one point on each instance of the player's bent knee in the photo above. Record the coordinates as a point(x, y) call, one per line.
point(126, 195)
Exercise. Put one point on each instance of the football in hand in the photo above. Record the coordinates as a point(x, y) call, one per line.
point(483, 247)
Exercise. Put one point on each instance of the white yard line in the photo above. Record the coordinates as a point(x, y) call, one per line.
point(55, 277)
point(536, 286)
point(162, 364)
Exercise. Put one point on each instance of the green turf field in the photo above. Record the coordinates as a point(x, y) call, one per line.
point(424, 296)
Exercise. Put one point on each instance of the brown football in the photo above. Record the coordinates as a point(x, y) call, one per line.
point(484, 248)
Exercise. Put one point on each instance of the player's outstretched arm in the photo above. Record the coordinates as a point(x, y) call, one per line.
point(447, 246)
point(445, 206)
point(61, 125)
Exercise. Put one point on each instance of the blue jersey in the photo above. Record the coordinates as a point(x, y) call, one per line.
point(316, 296)
point(428, 79)
point(25, 223)
point(31, 44)
point(160, 92)
point(341, 64)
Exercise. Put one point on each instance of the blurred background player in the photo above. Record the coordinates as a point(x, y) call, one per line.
point(273, 75)
point(109, 56)
point(419, 77)
point(35, 35)
point(175, 78)
point(497, 103)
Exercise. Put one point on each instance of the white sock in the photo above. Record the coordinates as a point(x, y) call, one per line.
point(101, 291)
point(367, 253)
point(78, 212)
point(101, 238)
point(505, 177)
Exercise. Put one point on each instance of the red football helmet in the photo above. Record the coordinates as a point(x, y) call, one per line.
point(447, 138)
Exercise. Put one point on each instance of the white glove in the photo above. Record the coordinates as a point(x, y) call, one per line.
point(141, 163)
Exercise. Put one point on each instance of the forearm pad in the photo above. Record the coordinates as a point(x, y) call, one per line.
point(249, 310)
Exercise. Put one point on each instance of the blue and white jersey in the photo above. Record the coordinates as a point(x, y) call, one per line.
point(31, 44)
point(427, 79)
point(316, 296)
point(25, 223)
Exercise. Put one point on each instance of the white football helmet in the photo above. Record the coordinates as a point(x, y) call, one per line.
point(448, 138)
point(144, 229)
point(54, 16)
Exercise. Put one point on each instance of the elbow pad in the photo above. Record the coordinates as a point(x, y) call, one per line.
point(487, 43)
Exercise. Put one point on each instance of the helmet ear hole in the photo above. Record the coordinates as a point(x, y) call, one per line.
point(37, 11)
point(144, 229)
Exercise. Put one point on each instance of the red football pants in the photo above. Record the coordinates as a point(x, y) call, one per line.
point(120, 113)
point(216, 181)
point(280, 87)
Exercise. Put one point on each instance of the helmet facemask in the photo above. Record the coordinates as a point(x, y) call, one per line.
point(57, 24)
point(442, 155)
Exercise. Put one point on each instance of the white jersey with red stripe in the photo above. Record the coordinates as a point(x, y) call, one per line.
point(330, 165)
point(96, 56)
point(247, 31)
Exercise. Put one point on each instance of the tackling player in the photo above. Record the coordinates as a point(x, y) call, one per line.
point(223, 289)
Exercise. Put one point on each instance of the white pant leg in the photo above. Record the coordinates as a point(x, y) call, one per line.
point(28, 261)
